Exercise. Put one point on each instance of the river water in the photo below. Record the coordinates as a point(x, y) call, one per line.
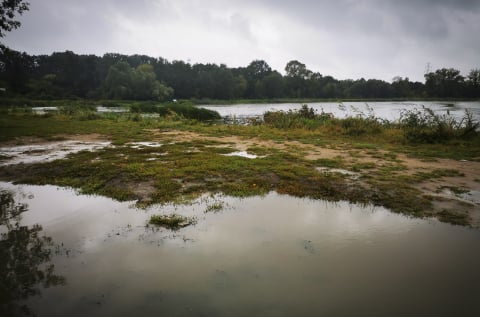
point(384, 110)
point(261, 256)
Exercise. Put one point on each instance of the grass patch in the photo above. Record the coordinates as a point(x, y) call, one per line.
point(437, 173)
point(453, 217)
point(332, 163)
point(172, 221)
point(215, 207)
point(363, 166)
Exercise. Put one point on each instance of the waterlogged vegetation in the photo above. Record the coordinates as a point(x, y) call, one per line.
point(399, 165)
point(172, 221)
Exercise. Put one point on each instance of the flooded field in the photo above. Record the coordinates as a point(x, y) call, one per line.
point(261, 256)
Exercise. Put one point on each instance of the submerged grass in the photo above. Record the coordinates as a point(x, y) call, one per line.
point(172, 221)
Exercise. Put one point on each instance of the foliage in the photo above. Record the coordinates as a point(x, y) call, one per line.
point(424, 126)
point(303, 118)
point(125, 82)
point(182, 109)
point(140, 77)
point(8, 10)
point(189, 111)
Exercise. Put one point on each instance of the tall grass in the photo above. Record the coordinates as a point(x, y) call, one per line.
point(418, 125)
point(424, 126)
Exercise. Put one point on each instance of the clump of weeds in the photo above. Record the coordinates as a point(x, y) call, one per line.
point(171, 221)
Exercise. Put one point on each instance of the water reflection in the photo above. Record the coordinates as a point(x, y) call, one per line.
point(260, 256)
point(25, 257)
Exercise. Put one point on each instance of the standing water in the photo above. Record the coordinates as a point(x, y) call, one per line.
point(260, 256)
point(383, 110)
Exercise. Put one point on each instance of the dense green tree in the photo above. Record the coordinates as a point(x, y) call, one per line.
point(253, 73)
point(296, 69)
point(271, 86)
point(445, 82)
point(68, 75)
point(118, 81)
point(15, 70)
point(473, 83)
point(125, 82)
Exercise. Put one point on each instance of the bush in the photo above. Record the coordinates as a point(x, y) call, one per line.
point(182, 109)
point(424, 126)
point(360, 125)
point(188, 111)
point(305, 118)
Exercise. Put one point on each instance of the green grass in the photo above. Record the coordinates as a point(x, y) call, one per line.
point(215, 207)
point(172, 221)
point(453, 217)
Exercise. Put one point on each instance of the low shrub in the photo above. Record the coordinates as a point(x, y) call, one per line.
point(424, 126)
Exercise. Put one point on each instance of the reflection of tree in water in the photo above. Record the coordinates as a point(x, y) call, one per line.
point(24, 259)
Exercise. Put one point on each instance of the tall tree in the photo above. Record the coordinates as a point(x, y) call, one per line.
point(8, 10)
point(445, 82)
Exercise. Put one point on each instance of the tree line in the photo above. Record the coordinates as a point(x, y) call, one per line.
point(141, 77)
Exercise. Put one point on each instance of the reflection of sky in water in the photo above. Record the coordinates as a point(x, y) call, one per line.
point(384, 110)
point(259, 256)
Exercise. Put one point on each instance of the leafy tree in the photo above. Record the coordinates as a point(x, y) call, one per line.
point(474, 77)
point(297, 75)
point(253, 73)
point(240, 86)
point(124, 82)
point(118, 81)
point(15, 69)
point(8, 10)
point(445, 82)
point(297, 70)
point(271, 86)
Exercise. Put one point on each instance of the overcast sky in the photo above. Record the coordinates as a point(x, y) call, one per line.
point(342, 38)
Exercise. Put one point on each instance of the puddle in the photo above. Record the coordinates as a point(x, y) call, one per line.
point(138, 145)
point(46, 152)
point(243, 154)
point(102, 109)
point(260, 256)
point(44, 110)
point(471, 196)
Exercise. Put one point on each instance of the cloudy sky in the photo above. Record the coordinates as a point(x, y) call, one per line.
point(342, 38)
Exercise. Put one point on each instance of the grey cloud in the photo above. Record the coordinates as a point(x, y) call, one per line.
point(371, 38)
